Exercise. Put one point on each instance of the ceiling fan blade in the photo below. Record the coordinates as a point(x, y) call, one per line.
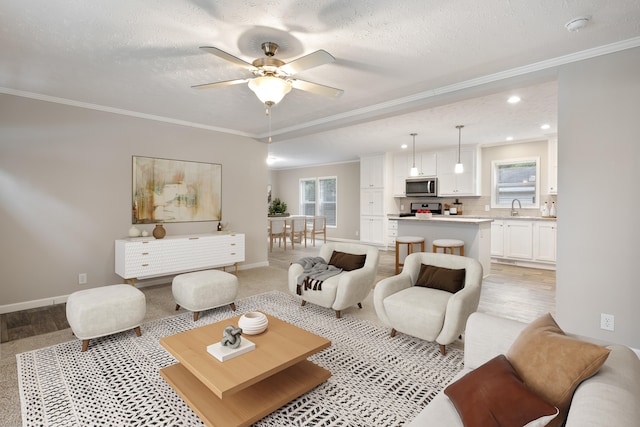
point(315, 59)
point(316, 88)
point(228, 57)
point(220, 84)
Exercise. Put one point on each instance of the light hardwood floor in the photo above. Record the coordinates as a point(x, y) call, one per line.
point(514, 292)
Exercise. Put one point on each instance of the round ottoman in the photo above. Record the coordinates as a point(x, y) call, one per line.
point(202, 290)
point(97, 312)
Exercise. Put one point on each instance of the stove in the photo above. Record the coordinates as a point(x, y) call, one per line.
point(435, 208)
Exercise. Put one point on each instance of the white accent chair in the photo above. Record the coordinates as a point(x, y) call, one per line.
point(427, 313)
point(345, 289)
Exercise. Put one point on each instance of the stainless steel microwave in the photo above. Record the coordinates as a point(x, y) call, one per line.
point(421, 187)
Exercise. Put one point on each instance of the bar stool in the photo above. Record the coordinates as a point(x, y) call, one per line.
point(450, 244)
point(409, 241)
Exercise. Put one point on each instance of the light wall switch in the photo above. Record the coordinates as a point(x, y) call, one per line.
point(401, 207)
point(487, 208)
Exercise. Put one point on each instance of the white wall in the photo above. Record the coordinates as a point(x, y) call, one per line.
point(285, 184)
point(65, 192)
point(599, 175)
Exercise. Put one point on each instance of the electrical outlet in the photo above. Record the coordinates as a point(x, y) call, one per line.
point(401, 207)
point(607, 322)
point(82, 279)
point(357, 233)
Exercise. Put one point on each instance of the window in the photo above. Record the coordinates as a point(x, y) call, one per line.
point(318, 196)
point(515, 179)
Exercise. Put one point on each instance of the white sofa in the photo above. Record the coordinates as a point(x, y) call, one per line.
point(345, 289)
point(609, 398)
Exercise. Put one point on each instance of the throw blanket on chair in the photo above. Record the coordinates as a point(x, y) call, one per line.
point(316, 271)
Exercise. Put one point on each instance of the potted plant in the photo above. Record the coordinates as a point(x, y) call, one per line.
point(278, 208)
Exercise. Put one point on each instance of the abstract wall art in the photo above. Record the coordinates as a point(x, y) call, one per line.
point(175, 191)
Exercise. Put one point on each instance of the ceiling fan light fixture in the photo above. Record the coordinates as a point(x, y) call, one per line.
point(270, 90)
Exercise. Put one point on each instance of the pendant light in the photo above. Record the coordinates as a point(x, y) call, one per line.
point(414, 169)
point(459, 167)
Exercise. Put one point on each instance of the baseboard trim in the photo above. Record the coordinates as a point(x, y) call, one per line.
point(43, 302)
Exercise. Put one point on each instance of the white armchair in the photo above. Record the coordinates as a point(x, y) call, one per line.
point(345, 289)
point(427, 313)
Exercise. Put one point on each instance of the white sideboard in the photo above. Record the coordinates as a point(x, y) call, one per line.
point(146, 257)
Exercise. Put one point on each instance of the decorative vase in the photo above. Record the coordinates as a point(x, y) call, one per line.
point(145, 233)
point(159, 232)
point(253, 323)
point(134, 231)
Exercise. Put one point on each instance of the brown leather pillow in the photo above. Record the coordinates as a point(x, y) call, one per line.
point(445, 279)
point(346, 261)
point(493, 395)
point(553, 364)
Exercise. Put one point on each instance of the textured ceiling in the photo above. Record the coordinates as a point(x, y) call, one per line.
point(408, 66)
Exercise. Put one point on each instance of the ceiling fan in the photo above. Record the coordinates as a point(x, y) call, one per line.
point(274, 78)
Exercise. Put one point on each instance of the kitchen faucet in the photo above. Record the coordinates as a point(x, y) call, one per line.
point(513, 211)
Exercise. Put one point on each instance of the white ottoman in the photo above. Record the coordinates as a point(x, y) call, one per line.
point(202, 290)
point(97, 312)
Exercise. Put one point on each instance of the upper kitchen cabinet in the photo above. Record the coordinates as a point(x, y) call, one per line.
point(372, 172)
point(401, 168)
point(552, 156)
point(454, 184)
point(426, 163)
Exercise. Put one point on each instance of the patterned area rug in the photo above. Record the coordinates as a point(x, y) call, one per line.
point(376, 380)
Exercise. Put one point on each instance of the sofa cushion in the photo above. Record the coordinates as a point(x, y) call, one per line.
point(553, 364)
point(445, 279)
point(494, 395)
point(346, 261)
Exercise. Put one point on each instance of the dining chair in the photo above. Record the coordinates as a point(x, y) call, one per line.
point(277, 230)
point(319, 226)
point(297, 228)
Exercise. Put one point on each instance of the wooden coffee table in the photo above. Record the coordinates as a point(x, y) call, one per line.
point(242, 390)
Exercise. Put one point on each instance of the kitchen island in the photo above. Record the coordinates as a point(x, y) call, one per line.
point(474, 232)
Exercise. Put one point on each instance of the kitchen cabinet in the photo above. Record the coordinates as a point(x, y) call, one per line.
point(454, 184)
point(427, 163)
point(544, 237)
point(372, 199)
point(372, 229)
point(552, 158)
point(497, 238)
point(392, 232)
point(518, 237)
point(372, 202)
point(372, 172)
point(401, 167)
point(530, 243)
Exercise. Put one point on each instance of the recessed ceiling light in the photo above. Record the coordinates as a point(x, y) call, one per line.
point(513, 99)
point(403, 146)
point(545, 126)
point(509, 138)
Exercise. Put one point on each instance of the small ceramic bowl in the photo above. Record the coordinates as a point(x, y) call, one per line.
point(253, 323)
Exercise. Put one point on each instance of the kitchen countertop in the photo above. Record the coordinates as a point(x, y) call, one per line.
point(471, 218)
point(445, 218)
